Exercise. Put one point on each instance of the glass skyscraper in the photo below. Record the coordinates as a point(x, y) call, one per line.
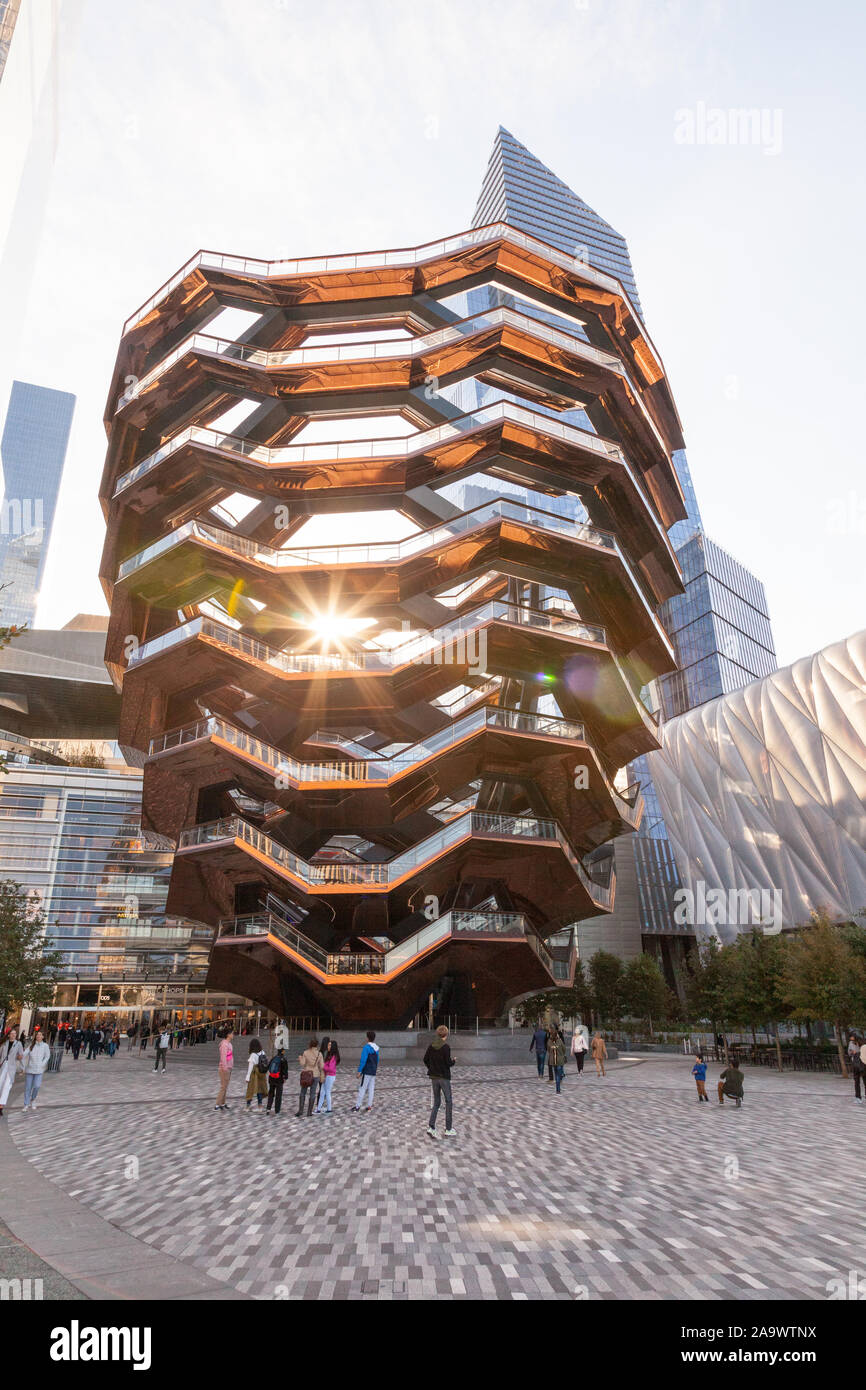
point(720, 626)
point(33, 451)
point(8, 15)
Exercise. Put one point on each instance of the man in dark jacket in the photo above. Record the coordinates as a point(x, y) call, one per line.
point(539, 1047)
point(731, 1084)
point(438, 1061)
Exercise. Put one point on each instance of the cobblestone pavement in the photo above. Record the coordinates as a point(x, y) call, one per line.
point(622, 1187)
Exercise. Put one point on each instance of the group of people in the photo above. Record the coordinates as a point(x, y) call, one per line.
point(29, 1056)
point(317, 1073)
point(317, 1065)
point(730, 1082)
point(548, 1044)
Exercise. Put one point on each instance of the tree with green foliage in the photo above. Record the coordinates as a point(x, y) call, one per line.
point(605, 979)
point(825, 977)
point(755, 979)
point(643, 990)
point(28, 972)
point(708, 987)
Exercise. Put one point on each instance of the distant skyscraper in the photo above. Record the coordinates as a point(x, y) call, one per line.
point(720, 627)
point(8, 15)
point(32, 451)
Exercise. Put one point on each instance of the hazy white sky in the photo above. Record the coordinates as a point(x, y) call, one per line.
point(278, 127)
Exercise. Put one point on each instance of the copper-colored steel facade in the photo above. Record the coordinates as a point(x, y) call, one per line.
point(368, 819)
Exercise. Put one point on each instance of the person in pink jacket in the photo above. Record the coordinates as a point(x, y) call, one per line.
point(330, 1062)
point(226, 1062)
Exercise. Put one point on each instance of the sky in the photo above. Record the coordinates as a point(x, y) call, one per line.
point(280, 128)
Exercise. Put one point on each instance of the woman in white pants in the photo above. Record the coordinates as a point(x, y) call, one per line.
point(11, 1061)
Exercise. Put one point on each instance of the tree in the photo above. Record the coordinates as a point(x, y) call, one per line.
point(28, 972)
point(605, 977)
point(825, 977)
point(643, 990)
point(708, 988)
point(755, 982)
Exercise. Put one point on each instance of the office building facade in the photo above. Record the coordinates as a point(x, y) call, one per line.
point(719, 626)
point(32, 451)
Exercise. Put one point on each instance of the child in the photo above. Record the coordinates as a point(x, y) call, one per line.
point(699, 1072)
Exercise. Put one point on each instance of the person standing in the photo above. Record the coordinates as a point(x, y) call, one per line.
point(579, 1048)
point(330, 1062)
point(11, 1062)
point(162, 1044)
point(368, 1066)
point(699, 1072)
point(77, 1040)
point(599, 1053)
point(130, 1037)
point(858, 1069)
point(556, 1056)
point(278, 1070)
point(226, 1062)
point(145, 1038)
point(36, 1059)
point(311, 1065)
point(538, 1045)
point(438, 1061)
point(553, 1031)
point(257, 1072)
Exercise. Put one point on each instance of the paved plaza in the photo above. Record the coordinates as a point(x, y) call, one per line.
point(619, 1188)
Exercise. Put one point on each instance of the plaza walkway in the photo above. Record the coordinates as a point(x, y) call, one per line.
point(622, 1187)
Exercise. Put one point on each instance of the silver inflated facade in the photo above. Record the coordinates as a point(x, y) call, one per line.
point(764, 790)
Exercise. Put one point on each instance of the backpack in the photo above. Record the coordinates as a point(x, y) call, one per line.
point(276, 1068)
point(263, 1063)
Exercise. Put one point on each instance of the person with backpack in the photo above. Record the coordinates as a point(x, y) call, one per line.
point(438, 1061)
point(556, 1055)
point(257, 1074)
point(367, 1069)
point(163, 1040)
point(278, 1070)
point(330, 1062)
point(311, 1071)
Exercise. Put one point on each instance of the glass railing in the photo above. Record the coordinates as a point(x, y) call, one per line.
point(374, 349)
point(506, 925)
point(376, 553)
point(372, 260)
point(419, 650)
point(364, 874)
point(360, 450)
point(373, 768)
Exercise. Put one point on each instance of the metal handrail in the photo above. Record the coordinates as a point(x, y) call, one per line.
point(339, 450)
point(372, 349)
point(372, 260)
point(418, 650)
point(375, 768)
point(312, 874)
point(376, 552)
